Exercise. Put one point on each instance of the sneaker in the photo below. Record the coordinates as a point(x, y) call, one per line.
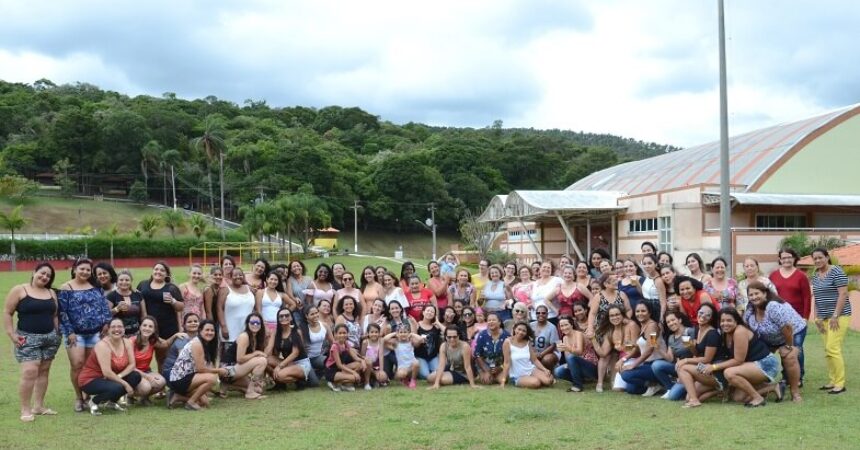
point(665, 396)
point(367, 387)
point(333, 387)
point(411, 384)
point(348, 388)
point(94, 408)
point(651, 391)
point(114, 406)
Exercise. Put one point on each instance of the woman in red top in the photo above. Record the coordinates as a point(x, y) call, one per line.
point(108, 373)
point(144, 344)
point(692, 295)
point(570, 292)
point(438, 284)
point(792, 284)
point(418, 297)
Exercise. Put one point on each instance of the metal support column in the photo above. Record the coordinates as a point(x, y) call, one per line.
point(570, 239)
point(528, 235)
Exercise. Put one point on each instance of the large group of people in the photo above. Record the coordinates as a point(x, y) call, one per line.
point(640, 323)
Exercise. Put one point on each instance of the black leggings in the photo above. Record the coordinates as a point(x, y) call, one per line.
point(104, 390)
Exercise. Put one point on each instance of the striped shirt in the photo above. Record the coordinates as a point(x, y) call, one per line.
point(826, 292)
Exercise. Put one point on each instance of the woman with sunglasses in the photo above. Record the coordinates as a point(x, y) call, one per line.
point(545, 336)
point(349, 289)
point(287, 358)
point(251, 358)
point(704, 346)
point(455, 362)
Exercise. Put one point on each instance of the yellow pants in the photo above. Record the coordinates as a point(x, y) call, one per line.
point(833, 351)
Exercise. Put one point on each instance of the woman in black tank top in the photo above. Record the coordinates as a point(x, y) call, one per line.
point(34, 338)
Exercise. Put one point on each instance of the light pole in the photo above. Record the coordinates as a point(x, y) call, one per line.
point(430, 225)
point(725, 179)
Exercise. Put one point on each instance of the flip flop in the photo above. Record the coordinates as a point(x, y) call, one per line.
point(752, 405)
point(826, 388)
point(689, 405)
point(46, 412)
point(28, 418)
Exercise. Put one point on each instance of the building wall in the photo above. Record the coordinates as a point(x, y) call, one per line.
point(819, 168)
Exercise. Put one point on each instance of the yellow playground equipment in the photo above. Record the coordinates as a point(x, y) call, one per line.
point(210, 253)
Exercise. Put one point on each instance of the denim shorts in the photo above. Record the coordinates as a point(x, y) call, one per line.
point(305, 364)
point(84, 340)
point(769, 366)
point(37, 347)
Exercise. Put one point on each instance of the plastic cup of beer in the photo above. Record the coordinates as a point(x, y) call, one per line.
point(652, 339)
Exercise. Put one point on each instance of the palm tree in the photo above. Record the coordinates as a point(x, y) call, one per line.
point(253, 221)
point(173, 220)
point(112, 232)
point(197, 223)
point(13, 221)
point(149, 224)
point(213, 145)
point(149, 154)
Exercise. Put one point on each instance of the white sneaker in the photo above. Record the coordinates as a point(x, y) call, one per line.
point(665, 396)
point(348, 387)
point(333, 387)
point(367, 387)
point(651, 391)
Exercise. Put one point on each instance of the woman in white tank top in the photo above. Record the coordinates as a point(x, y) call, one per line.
point(234, 305)
point(522, 365)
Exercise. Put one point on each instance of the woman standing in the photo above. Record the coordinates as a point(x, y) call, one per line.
point(579, 356)
point(570, 292)
point(83, 312)
point(631, 280)
point(462, 289)
point(256, 279)
point(521, 364)
point(753, 274)
point(609, 296)
point(271, 299)
point(162, 300)
point(544, 291)
point(348, 289)
point(696, 268)
point(653, 288)
point(298, 283)
point(391, 291)
point(583, 277)
point(227, 265)
point(322, 286)
point(371, 287)
point(210, 294)
point(776, 322)
point(596, 257)
point(194, 373)
point(337, 270)
point(127, 304)
point(510, 277)
point(833, 315)
point(109, 372)
point(495, 294)
point(483, 275)
point(438, 284)
point(192, 296)
point(722, 288)
point(793, 286)
point(106, 276)
point(35, 338)
point(407, 270)
point(235, 302)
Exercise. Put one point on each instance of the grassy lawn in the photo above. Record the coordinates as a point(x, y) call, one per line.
point(455, 417)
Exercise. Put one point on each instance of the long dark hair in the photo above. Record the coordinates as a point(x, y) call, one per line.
point(280, 286)
point(92, 280)
point(153, 339)
point(356, 312)
point(715, 317)
point(363, 281)
point(729, 311)
point(403, 270)
point(682, 317)
point(605, 325)
point(279, 332)
point(258, 342)
point(107, 268)
point(210, 349)
point(697, 285)
point(267, 266)
point(769, 296)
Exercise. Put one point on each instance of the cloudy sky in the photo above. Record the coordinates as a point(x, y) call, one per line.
point(642, 69)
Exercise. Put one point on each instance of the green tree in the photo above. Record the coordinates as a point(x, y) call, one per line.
point(12, 221)
point(213, 145)
point(17, 187)
point(173, 220)
point(197, 223)
point(594, 159)
point(61, 176)
point(149, 224)
point(149, 156)
point(137, 192)
point(112, 232)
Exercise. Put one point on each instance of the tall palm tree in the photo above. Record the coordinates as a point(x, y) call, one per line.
point(173, 220)
point(149, 154)
point(13, 221)
point(213, 145)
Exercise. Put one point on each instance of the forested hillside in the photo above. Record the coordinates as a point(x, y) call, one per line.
point(91, 141)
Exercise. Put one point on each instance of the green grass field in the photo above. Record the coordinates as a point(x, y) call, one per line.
point(455, 417)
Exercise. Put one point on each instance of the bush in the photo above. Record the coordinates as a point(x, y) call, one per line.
point(500, 257)
point(99, 248)
point(137, 192)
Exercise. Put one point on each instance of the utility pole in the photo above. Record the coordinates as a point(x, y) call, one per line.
point(221, 183)
point(433, 227)
point(173, 185)
point(725, 179)
point(354, 209)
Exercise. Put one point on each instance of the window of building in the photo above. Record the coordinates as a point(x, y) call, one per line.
point(665, 232)
point(642, 225)
point(781, 221)
point(519, 235)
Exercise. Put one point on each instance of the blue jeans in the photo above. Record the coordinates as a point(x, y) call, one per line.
point(576, 370)
point(637, 378)
point(799, 337)
point(426, 366)
point(664, 371)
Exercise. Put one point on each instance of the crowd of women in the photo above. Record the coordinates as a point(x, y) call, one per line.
point(637, 323)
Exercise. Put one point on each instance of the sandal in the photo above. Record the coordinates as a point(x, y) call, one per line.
point(835, 391)
point(191, 406)
point(574, 389)
point(79, 405)
point(779, 392)
point(45, 412)
point(28, 418)
point(756, 405)
point(796, 398)
point(826, 387)
point(689, 405)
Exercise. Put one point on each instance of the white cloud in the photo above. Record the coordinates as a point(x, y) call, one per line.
point(646, 70)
